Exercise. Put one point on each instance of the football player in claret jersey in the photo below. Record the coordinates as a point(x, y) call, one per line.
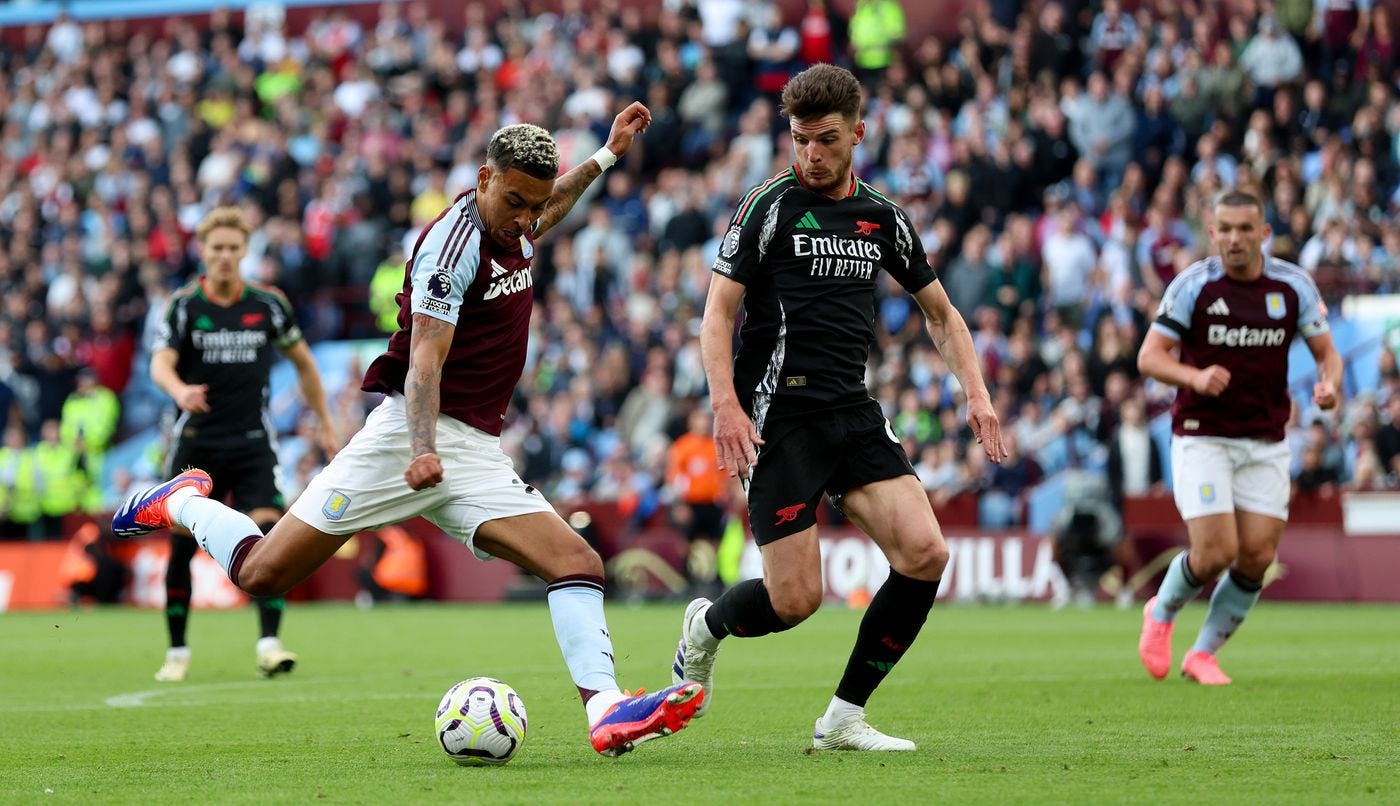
point(1222, 336)
point(793, 417)
point(432, 448)
point(213, 356)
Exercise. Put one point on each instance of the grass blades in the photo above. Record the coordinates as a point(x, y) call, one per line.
point(1008, 705)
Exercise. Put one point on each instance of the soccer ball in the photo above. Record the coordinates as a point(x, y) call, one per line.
point(481, 722)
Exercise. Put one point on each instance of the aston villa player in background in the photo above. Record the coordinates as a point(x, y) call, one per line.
point(1222, 336)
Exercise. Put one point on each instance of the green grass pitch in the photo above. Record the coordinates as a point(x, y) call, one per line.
point(1008, 705)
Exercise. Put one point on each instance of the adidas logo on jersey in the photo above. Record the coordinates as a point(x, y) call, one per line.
point(808, 221)
point(1218, 308)
point(497, 269)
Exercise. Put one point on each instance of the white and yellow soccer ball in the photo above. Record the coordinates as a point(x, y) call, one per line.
point(481, 722)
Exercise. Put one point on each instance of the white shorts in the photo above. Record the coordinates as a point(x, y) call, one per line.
point(1213, 475)
point(363, 486)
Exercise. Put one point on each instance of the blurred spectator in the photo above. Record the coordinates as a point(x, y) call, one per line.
point(1102, 125)
point(89, 570)
point(89, 422)
point(19, 485)
point(697, 488)
point(393, 567)
point(1069, 258)
point(61, 483)
point(1088, 532)
point(1272, 58)
point(1112, 33)
point(1135, 466)
point(876, 30)
point(1387, 441)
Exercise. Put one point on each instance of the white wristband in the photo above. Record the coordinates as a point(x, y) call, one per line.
point(604, 157)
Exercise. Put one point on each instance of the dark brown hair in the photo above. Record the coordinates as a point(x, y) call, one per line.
point(821, 90)
point(1239, 198)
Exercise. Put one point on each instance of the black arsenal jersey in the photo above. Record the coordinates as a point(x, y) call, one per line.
point(229, 348)
point(810, 266)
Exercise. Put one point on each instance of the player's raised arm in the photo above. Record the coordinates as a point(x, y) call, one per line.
point(735, 435)
point(954, 342)
point(422, 397)
point(626, 126)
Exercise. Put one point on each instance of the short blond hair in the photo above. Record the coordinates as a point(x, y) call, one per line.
point(224, 217)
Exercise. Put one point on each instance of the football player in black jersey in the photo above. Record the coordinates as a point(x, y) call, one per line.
point(793, 417)
point(214, 357)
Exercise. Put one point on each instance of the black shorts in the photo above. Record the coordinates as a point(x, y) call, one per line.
point(831, 451)
point(246, 470)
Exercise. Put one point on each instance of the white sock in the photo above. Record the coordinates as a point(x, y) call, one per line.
point(599, 704)
point(178, 653)
point(840, 711)
point(700, 634)
point(217, 528)
point(177, 499)
point(272, 642)
point(576, 608)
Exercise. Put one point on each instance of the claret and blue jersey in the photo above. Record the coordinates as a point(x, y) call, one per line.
point(1246, 327)
point(459, 275)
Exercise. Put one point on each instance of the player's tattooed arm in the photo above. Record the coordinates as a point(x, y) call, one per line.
point(567, 190)
point(423, 397)
point(629, 123)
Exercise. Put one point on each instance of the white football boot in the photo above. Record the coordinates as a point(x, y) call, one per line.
point(693, 662)
point(273, 658)
point(176, 666)
point(854, 733)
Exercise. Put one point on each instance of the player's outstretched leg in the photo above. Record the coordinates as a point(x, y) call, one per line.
point(226, 534)
point(145, 511)
point(642, 717)
point(1159, 614)
point(617, 721)
point(695, 654)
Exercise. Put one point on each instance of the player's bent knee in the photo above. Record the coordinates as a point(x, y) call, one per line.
point(929, 561)
point(586, 561)
point(261, 580)
point(795, 607)
point(1254, 562)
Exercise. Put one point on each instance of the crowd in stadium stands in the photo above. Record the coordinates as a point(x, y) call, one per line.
point(1057, 157)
